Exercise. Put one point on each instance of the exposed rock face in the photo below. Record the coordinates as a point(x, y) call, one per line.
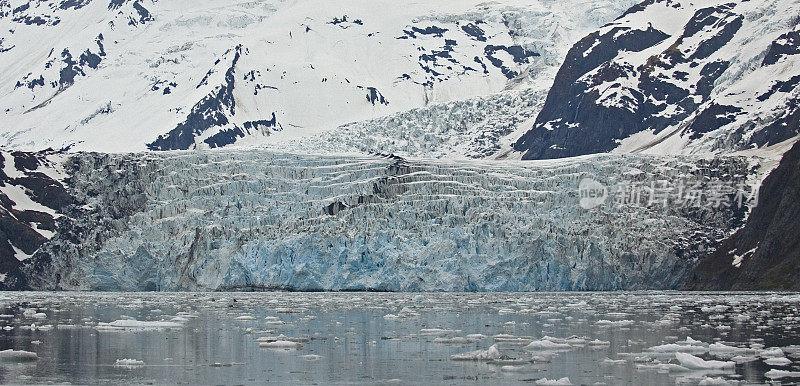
point(765, 254)
point(30, 197)
point(673, 77)
point(223, 220)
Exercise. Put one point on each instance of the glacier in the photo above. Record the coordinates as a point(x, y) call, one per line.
point(263, 220)
point(182, 74)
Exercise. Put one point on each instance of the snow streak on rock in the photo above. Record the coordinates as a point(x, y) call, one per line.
point(31, 199)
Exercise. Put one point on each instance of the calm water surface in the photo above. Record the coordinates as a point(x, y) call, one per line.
point(374, 338)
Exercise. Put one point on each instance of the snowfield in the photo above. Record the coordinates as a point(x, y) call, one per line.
point(213, 73)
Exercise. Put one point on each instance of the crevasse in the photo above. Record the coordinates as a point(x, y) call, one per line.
point(256, 219)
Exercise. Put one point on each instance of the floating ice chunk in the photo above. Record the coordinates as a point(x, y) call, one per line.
point(128, 363)
point(504, 336)
point(778, 361)
point(609, 361)
point(513, 369)
point(743, 359)
point(598, 342)
point(615, 323)
point(742, 317)
point(666, 321)
point(562, 381)
point(179, 319)
point(714, 309)
point(642, 359)
point(476, 336)
point(33, 313)
point(311, 357)
point(280, 337)
point(18, 356)
point(726, 352)
point(774, 352)
point(129, 324)
point(404, 313)
point(540, 359)
point(718, 381)
point(453, 340)
point(407, 313)
point(245, 318)
point(506, 360)
point(512, 339)
point(547, 345)
point(479, 355)
point(718, 347)
point(286, 310)
point(437, 331)
point(281, 344)
point(691, 341)
point(274, 321)
point(576, 341)
point(553, 339)
point(777, 374)
point(675, 347)
point(694, 363)
point(662, 367)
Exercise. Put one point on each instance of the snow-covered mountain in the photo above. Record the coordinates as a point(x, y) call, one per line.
point(130, 75)
point(672, 77)
point(376, 145)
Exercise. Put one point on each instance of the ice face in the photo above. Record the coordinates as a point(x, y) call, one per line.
point(262, 220)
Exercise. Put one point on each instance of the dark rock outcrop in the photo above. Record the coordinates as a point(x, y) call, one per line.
point(765, 253)
point(23, 230)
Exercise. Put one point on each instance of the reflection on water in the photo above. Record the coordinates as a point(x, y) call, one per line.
point(324, 338)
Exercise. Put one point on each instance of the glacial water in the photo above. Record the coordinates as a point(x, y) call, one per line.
point(399, 338)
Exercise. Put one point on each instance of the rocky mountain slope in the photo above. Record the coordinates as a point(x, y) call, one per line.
point(31, 197)
point(672, 77)
point(765, 253)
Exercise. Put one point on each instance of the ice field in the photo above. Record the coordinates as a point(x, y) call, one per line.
point(395, 338)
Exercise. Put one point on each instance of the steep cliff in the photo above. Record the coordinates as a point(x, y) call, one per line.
point(765, 253)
